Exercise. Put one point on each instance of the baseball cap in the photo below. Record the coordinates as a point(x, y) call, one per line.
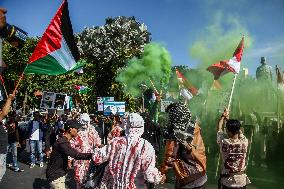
point(72, 124)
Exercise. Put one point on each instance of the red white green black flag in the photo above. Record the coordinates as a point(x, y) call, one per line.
point(56, 53)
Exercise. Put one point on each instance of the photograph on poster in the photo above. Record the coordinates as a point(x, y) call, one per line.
point(59, 101)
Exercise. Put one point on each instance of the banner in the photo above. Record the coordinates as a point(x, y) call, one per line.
point(100, 102)
point(47, 100)
point(59, 101)
point(52, 100)
point(112, 107)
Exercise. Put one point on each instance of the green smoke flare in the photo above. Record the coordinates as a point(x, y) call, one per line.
point(155, 64)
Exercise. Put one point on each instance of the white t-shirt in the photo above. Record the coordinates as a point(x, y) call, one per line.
point(233, 153)
point(35, 131)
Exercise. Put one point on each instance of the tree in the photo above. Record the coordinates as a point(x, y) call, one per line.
point(108, 48)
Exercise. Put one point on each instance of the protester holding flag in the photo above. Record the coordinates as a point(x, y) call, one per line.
point(3, 135)
point(233, 150)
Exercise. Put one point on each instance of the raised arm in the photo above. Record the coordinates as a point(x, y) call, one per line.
point(68, 150)
point(7, 106)
point(220, 133)
point(223, 118)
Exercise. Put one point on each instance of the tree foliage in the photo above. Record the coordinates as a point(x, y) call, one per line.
point(109, 47)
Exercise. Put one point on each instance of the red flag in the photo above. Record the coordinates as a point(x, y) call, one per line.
point(232, 65)
point(183, 81)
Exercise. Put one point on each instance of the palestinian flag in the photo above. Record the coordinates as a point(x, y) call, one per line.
point(82, 89)
point(56, 53)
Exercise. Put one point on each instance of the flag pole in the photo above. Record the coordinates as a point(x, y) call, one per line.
point(232, 91)
point(229, 106)
point(154, 86)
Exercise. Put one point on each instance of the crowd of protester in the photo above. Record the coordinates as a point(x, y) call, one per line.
point(112, 152)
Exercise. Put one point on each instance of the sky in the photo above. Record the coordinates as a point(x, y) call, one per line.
point(182, 26)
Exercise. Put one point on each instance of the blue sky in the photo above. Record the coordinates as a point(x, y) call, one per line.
point(180, 25)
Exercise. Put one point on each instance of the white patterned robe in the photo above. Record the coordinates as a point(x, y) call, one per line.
point(131, 161)
point(85, 142)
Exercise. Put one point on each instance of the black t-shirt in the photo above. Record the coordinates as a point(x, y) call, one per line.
point(3, 139)
point(12, 128)
point(57, 166)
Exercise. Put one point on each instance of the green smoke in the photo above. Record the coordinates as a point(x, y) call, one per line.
point(251, 96)
point(218, 41)
point(155, 64)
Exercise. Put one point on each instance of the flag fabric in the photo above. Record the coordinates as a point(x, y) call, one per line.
point(56, 53)
point(224, 66)
point(82, 89)
point(187, 90)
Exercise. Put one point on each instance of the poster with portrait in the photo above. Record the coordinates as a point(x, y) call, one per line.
point(47, 101)
point(59, 101)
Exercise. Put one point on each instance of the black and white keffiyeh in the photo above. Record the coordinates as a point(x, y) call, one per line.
point(180, 125)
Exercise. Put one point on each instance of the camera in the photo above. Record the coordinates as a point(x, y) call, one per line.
point(12, 34)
